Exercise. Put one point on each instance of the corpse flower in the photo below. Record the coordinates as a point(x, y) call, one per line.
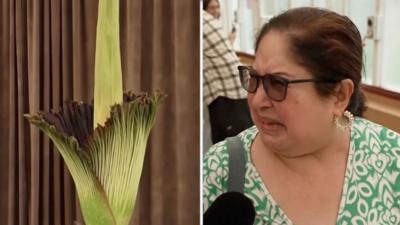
point(104, 145)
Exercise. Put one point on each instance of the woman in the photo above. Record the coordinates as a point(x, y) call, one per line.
point(213, 8)
point(307, 160)
point(222, 91)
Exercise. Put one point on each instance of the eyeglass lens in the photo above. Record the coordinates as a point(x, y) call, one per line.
point(274, 87)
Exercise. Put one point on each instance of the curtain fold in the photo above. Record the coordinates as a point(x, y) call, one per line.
point(4, 106)
point(47, 56)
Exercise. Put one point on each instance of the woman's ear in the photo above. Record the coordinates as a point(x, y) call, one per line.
point(343, 94)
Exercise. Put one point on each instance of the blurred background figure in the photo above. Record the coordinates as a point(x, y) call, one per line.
point(213, 7)
point(223, 95)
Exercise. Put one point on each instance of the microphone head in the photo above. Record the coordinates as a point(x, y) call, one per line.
point(230, 208)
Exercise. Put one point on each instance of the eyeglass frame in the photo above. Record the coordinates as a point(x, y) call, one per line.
point(286, 81)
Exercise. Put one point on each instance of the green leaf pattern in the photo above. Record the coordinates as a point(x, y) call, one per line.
point(371, 190)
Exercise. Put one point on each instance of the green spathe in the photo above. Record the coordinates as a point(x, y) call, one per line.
point(108, 73)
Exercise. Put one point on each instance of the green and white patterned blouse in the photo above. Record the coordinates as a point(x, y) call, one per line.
point(371, 190)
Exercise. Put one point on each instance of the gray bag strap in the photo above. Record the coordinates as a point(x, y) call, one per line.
point(237, 164)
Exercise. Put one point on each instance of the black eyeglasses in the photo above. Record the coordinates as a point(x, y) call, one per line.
point(275, 86)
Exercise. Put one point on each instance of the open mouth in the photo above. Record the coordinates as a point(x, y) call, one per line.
point(271, 125)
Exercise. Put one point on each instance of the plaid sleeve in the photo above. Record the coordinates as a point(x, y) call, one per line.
point(221, 77)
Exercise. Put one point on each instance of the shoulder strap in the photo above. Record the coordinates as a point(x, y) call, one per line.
point(237, 164)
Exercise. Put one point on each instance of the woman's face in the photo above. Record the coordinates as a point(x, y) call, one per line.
point(303, 121)
point(214, 9)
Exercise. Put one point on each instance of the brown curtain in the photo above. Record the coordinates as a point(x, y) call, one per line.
point(4, 107)
point(47, 56)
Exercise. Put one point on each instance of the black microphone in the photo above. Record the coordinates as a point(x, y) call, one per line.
point(230, 208)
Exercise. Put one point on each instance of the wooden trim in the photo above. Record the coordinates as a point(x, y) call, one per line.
point(383, 110)
point(245, 55)
point(381, 91)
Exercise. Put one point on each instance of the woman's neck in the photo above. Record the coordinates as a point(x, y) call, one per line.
point(323, 157)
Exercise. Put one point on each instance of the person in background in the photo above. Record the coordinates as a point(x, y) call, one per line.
point(214, 9)
point(222, 92)
point(311, 158)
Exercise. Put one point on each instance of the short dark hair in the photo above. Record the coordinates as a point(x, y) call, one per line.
point(206, 2)
point(327, 44)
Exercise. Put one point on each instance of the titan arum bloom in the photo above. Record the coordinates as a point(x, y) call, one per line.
point(104, 146)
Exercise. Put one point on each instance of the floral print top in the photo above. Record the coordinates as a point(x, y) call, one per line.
point(371, 190)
